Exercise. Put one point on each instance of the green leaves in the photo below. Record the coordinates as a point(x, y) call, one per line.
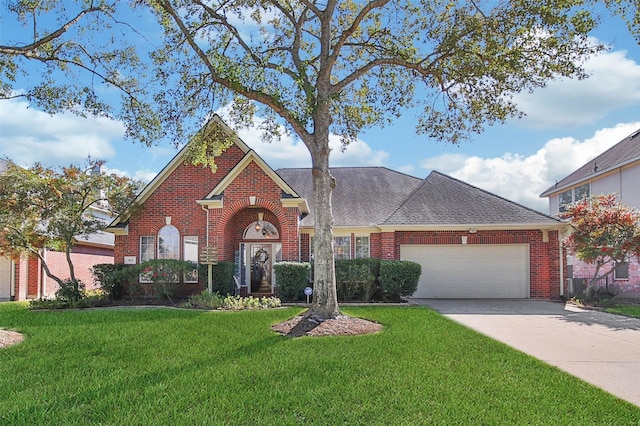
point(604, 230)
point(45, 208)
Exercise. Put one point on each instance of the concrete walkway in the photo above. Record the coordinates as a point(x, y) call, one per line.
point(599, 348)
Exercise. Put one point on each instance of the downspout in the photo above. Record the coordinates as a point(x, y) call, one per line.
point(560, 255)
point(206, 209)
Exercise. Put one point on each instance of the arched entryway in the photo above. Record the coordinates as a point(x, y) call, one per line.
point(258, 247)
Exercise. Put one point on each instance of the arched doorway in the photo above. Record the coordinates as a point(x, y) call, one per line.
point(260, 248)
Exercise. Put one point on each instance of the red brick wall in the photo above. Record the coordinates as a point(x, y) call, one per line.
point(33, 277)
point(82, 263)
point(305, 247)
point(176, 198)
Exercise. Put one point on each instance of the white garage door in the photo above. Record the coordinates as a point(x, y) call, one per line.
point(5, 278)
point(471, 271)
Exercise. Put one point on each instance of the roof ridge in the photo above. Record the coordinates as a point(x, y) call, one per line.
point(495, 195)
point(407, 198)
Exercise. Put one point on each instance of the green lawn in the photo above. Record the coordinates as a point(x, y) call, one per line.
point(167, 366)
point(630, 310)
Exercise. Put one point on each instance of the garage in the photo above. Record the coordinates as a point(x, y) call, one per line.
point(6, 269)
point(471, 271)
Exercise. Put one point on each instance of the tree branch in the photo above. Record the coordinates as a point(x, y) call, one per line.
point(235, 86)
point(29, 50)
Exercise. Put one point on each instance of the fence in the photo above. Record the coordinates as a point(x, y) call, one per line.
point(578, 284)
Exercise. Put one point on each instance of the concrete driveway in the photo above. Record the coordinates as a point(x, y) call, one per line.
point(599, 348)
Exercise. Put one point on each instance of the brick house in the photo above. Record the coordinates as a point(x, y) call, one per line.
point(617, 170)
point(470, 243)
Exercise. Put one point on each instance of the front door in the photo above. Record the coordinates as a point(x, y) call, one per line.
point(261, 261)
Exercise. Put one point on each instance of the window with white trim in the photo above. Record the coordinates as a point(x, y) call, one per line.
point(362, 247)
point(147, 252)
point(572, 196)
point(168, 242)
point(190, 254)
point(342, 247)
point(621, 271)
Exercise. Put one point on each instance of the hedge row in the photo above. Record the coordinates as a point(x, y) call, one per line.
point(356, 279)
point(164, 275)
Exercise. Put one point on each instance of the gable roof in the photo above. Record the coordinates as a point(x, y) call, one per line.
point(624, 152)
point(444, 201)
point(251, 156)
point(363, 196)
point(119, 224)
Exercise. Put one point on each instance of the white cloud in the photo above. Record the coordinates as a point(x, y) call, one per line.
point(614, 83)
point(30, 136)
point(290, 151)
point(522, 178)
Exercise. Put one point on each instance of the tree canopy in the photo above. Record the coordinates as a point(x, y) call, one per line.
point(604, 231)
point(47, 209)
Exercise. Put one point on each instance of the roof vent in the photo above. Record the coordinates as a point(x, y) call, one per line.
point(634, 135)
point(595, 166)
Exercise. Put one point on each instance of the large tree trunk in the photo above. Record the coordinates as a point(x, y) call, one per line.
point(325, 300)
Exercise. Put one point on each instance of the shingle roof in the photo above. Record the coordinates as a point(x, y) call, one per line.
point(625, 151)
point(366, 196)
point(443, 200)
point(363, 196)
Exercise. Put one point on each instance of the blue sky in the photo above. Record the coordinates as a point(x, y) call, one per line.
point(567, 123)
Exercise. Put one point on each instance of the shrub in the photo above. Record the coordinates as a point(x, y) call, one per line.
point(43, 303)
point(356, 279)
point(204, 300)
point(222, 279)
point(237, 303)
point(110, 278)
point(600, 296)
point(70, 291)
point(399, 278)
point(291, 279)
point(165, 275)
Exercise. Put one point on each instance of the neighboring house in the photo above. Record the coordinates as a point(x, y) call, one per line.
point(616, 170)
point(24, 278)
point(470, 243)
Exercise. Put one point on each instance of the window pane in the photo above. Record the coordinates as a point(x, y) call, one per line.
point(147, 252)
point(190, 253)
point(342, 247)
point(362, 247)
point(581, 192)
point(621, 271)
point(311, 248)
point(147, 248)
point(168, 242)
point(564, 199)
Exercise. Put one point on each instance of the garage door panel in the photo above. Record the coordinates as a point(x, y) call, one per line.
point(471, 271)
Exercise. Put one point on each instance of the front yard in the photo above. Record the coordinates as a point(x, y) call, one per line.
point(168, 366)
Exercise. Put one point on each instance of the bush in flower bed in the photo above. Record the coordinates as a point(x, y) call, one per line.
point(206, 300)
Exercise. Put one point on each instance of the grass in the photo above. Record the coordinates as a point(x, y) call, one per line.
point(628, 310)
point(167, 366)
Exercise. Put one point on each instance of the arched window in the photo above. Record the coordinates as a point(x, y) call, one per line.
point(168, 242)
